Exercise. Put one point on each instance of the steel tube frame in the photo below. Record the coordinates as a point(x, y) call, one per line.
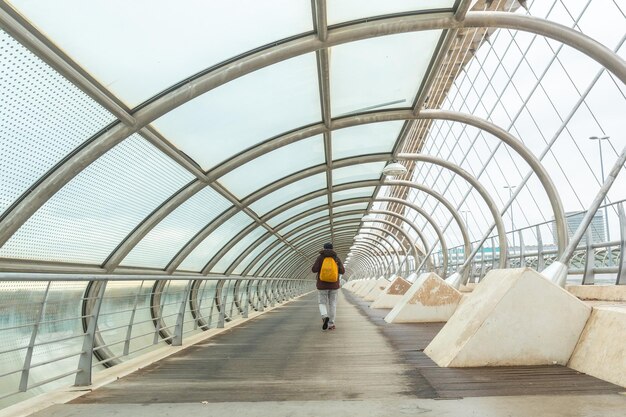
point(29, 203)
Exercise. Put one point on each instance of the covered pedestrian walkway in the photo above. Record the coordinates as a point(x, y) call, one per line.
point(169, 172)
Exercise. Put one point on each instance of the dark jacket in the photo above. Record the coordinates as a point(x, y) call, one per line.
point(323, 285)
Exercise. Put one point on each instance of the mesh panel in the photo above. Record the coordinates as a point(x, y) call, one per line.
point(238, 249)
point(89, 217)
point(199, 257)
point(44, 117)
point(168, 237)
point(252, 255)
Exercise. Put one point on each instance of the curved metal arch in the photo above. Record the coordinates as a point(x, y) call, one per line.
point(389, 254)
point(263, 270)
point(369, 263)
point(272, 265)
point(493, 208)
point(414, 247)
point(290, 264)
point(47, 186)
point(444, 246)
point(276, 265)
point(429, 220)
point(553, 196)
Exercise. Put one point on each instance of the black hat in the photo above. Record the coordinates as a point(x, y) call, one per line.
point(328, 245)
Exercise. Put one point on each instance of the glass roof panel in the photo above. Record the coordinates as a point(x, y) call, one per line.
point(43, 118)
point(349, 207)
point(275, 165)
point(151, 45)
point(225, 261)
point(86, 220)
point(244, 112)
point(163, 242)
point(353, 193)
point(346, 10)
point(308, 228)
point(288, 193)
point(203, 253)
point(310, 217)
point(365, 139)
point(302, 207)
point(361, 172)
point(380, 73)
point(252, 255)
point(255, 269)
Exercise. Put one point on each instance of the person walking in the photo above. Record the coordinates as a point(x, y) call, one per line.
point(328, 267)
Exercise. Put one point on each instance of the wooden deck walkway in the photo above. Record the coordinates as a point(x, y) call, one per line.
point(284, 356)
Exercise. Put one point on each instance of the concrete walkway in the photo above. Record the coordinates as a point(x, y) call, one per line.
point(282, 364)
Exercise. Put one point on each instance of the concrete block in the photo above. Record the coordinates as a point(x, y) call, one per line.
point(601, 349)
point(514, 317)
point(365, 288)
point(598, 292)
point(430, 299)
point(381, 285)
point(392, 294)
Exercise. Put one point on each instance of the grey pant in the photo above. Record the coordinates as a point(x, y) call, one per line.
point(328, 303)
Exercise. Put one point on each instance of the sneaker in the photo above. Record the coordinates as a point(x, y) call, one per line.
point(331, 327)
point(325, 325)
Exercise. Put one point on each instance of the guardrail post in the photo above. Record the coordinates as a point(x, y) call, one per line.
point(244, 314)
point(33, 337)
point(222, 317)
point(83, 377)
point(129, 329)
point(540, 262)
point(621, 271)
point(522, 250)
point(177, 340)
point(590, 260)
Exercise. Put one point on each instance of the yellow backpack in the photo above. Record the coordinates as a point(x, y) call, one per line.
point(329, 272)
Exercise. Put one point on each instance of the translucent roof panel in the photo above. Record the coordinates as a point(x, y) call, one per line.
point(365, 139)
point(168, 237)
point(244, 112)
point(353, 193)
point(302, 207)
point(380, 73)
point(203, 253)
point(255, 268)
point(308, 228)
point(346, 10)
point(350, 207)
point(361, 172)
point(89, 217)
point(275, 165)
point(288, 193)
point(304, 220)
point(225, 261)
point(44, 117)
point(252, 255)
point(153, 44)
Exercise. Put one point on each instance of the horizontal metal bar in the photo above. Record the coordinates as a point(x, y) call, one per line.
point(54, 378)
point(40, 276)
point(60, 358)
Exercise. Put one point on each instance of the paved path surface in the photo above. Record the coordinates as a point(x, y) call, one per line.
point(282, 364)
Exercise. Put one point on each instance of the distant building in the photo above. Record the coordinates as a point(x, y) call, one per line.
point(597, 226)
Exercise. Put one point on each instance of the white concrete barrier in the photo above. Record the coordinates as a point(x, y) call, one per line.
point(392, 294)
point(598, 292)
point(601, 349)
point(379, 288)
point(365, 288)
point(430, 299)
point(513, 317)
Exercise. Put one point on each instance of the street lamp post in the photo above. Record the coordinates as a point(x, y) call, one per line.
point(606, 209)
point(511, 188)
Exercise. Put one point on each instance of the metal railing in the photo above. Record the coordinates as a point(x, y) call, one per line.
point(593, 262)
point(56, 330)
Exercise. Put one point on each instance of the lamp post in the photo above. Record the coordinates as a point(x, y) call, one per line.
point(511, 188)
point(606, 210)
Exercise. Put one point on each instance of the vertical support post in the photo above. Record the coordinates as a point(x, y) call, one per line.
point(131, 320)
point(83, 377)
point(33, 337)
point(244, 314)
point(493, 254)
point(522, 250)
point(482, 263)
point(590, 260)
point(621, 271)
point(540, 262)
point(177, 340)
point(222, 317)
point(272, 295)
point(260, 295)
